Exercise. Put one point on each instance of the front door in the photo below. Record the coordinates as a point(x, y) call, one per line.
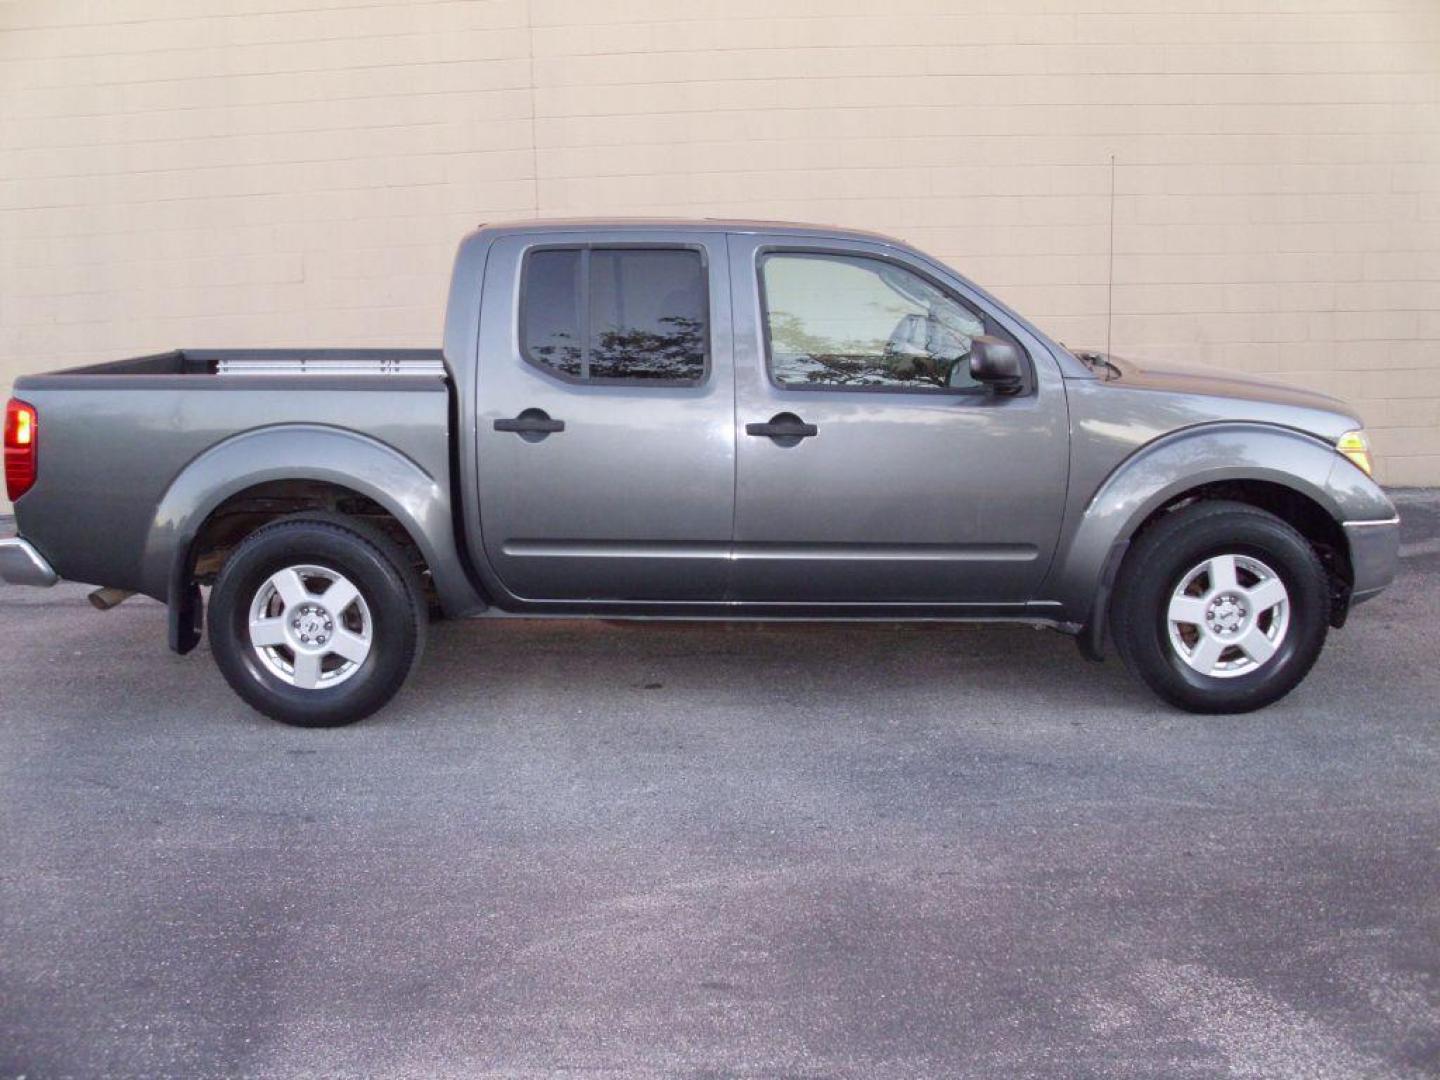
point(871, 468)
point(606, 434)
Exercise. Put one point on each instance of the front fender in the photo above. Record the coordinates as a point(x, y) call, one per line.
point(419, 501)
point(1168, 467)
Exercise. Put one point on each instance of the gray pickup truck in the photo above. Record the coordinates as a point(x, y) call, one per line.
point(699, 419)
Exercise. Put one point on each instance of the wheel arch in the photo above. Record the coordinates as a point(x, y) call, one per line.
point(1280, 470)
point(253, 478)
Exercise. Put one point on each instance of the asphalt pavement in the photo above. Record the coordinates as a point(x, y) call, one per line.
point(697, 850)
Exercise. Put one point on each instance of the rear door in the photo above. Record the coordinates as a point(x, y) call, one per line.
point(871, 468)
point(606, 434)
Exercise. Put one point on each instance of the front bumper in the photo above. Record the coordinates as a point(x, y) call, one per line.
point(21, 564)
point(1374, 555)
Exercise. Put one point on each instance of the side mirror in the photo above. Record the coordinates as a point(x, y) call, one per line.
point(996, 363)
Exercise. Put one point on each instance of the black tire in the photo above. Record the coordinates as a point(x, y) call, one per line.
point(390, 589)
point(1160, 560)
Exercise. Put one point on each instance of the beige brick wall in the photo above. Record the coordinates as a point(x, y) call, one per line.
point(273, 172)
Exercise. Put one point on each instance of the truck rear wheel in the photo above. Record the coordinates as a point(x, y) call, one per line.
point(316, 622)
point(1221, 608)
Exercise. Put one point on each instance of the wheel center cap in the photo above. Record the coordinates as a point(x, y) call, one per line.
point(312, 625)
point(1226, 614)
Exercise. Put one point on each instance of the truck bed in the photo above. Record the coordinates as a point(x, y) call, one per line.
point(254, 363)
point(115, 437)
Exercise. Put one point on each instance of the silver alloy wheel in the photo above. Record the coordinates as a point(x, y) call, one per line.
point(310, 627)
point(1228, 616)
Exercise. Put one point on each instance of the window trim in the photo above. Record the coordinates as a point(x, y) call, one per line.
point(585, 249)
point(993, 327)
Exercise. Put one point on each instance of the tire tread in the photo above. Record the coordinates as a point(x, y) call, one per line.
point(349, 531)
point(1153, 556)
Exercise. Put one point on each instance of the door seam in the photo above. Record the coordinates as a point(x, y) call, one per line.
point(729, 593)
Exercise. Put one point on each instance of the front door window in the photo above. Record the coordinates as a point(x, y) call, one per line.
point(857, 323)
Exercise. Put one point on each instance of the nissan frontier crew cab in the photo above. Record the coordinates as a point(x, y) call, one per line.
point(699, 419)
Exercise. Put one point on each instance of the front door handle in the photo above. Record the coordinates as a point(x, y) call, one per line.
point(532, 425)
point(785, 428)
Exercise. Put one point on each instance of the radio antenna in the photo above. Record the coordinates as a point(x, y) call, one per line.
point(1110, 289)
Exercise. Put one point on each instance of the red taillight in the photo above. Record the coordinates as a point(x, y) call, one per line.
point(21, 433)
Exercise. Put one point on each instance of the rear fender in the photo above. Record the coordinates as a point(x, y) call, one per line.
point(420, 502)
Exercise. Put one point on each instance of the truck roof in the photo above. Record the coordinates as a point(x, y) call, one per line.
point(677, 224)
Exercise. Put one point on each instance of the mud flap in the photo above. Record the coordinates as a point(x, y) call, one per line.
point(187, 618)
point(1091, 639)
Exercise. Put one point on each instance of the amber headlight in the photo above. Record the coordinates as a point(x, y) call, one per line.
point(1355, 446)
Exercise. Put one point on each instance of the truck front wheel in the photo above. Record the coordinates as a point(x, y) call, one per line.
point(316, 622)
point(1221, 608)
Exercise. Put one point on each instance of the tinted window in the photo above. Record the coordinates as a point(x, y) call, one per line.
point(550, 322)
point(853, 322)
point(616, 314)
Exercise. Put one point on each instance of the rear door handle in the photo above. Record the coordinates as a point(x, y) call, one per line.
point(532, 425)
point(784, 426)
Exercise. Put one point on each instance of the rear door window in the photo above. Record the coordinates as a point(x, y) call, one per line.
point(616, 315)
